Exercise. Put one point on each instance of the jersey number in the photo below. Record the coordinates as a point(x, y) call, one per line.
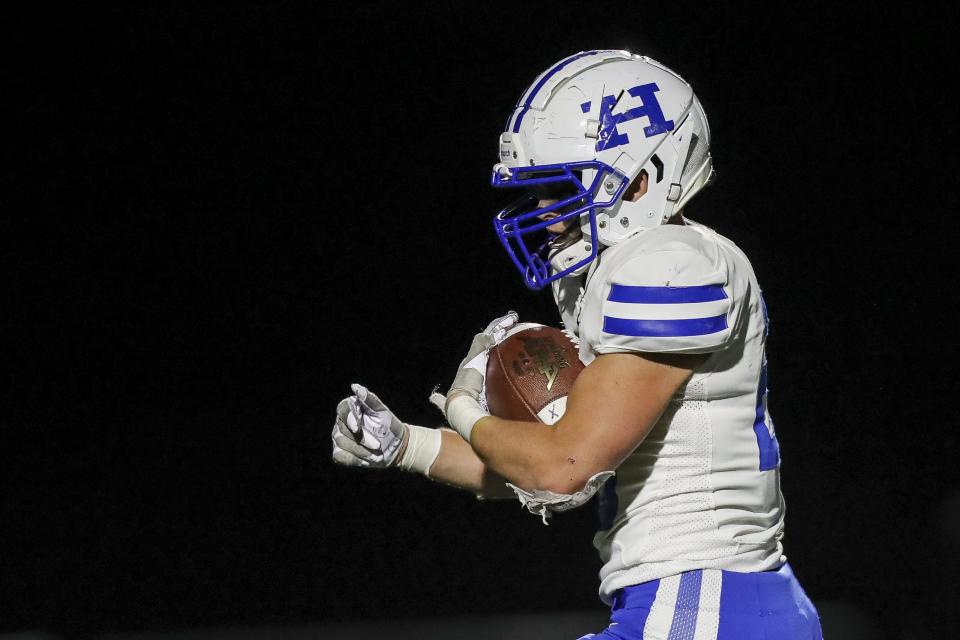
point(607, 504)
point(766, 438)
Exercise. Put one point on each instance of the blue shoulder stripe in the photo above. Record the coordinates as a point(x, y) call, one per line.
point(664, 328)
point(666, 295)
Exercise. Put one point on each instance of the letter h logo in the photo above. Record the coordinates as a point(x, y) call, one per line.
point(609, 137)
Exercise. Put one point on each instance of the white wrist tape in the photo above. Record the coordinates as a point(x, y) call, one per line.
point(463, 412)
point(423, 447)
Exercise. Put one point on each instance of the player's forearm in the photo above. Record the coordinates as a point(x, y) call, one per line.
point(530, 455)
point(458, 465)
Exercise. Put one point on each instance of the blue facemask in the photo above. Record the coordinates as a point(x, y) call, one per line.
point(524, 235)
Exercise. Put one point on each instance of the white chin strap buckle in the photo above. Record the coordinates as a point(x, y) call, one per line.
point(675, 191)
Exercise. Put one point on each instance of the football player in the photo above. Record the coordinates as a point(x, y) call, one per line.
point(668, 422)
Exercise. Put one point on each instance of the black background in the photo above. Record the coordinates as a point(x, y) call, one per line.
point(219, 216)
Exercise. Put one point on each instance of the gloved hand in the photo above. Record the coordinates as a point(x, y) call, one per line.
point(465, 403)
point(366, 433)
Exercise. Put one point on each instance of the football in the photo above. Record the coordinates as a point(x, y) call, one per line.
point(530, 372)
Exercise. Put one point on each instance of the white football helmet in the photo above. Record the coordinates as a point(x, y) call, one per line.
point(581, 133)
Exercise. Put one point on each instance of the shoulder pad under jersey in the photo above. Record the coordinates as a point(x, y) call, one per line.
point(675, 300)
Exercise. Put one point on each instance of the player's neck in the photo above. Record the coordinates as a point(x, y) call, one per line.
point(676, 218)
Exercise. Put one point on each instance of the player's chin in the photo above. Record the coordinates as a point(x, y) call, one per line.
point(567, 232)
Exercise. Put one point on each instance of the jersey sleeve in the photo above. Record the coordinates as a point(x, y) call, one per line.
point(675, 301)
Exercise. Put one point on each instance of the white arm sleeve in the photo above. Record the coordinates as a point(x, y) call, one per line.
point(667, 301)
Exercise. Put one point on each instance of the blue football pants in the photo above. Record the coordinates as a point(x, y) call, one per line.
point(710, 604)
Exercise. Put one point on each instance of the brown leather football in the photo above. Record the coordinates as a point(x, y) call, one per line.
point(530, 373)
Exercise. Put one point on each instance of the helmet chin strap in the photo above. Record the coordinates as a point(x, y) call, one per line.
point(681, 147)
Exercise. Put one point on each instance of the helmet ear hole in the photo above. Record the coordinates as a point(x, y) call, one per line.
point(632, 192)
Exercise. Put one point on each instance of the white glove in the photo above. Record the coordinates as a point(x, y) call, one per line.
point(367, 434)
point(465, 403)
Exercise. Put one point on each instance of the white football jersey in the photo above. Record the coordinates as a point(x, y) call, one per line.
point(702, 491)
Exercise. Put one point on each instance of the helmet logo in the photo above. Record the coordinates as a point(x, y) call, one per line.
point(609, 137)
